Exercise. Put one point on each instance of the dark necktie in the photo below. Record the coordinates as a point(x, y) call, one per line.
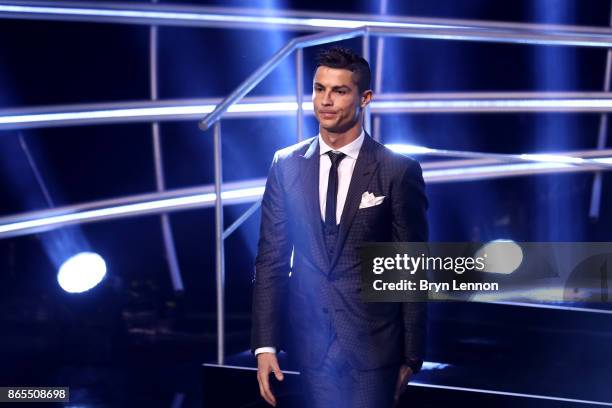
point(332, 191)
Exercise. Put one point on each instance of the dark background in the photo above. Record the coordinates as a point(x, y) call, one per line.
point(133, 330)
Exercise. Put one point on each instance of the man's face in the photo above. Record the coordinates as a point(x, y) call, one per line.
point(336, 99)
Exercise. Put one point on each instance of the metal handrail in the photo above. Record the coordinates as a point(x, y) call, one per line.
point(497, 35)
point(256, 77)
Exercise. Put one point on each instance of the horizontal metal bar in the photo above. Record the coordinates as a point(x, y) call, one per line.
point(501, 171)
point(249, 18)
point(446, 29)
point(131, 210)
point(498, 102)
point(554, 307)
point(135, 112)
point(251, 191)
point(445, 164)
point(508, 158)
point(285, 105)
point(201, 194)
point(509, 36)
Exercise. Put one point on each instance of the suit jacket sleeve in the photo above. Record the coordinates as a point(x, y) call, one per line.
point(271, 265)
point(409, 208)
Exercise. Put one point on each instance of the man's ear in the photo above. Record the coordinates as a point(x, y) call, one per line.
point(366, 98)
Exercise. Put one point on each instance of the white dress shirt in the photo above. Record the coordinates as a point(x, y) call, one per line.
point(345, 172)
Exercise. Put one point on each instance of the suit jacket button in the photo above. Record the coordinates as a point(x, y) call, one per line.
point(325, 310)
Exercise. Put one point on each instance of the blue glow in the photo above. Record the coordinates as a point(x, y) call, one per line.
point(556, 68)
point(81, 272)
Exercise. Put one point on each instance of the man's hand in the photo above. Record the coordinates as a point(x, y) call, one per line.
point(267, 363)
point(403, 377)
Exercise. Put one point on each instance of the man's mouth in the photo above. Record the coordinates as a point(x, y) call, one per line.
point(327, 114)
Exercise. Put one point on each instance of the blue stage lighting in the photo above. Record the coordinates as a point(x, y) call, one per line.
point(81, 272)
point(503, 256)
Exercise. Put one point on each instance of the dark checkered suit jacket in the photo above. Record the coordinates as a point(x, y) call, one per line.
point(298, 311)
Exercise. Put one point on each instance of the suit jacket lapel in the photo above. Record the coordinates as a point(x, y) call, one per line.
point(362, 174)
point(310, 184)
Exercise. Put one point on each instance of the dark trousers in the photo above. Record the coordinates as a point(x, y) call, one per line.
point(336, 384)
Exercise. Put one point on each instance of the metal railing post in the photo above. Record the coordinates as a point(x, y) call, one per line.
point(367, 117)
point(219, 246)
point(299, 82)
point(601, 139)
point(170, 249)
point(380, 47)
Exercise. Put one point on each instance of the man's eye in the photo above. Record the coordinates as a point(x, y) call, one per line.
point(341, 92)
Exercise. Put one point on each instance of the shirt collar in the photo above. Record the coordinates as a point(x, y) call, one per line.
point(351, 149)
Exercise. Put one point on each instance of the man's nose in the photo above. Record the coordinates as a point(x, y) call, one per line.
point(327, 100)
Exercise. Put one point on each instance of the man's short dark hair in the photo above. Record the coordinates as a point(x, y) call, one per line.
point(344, 58)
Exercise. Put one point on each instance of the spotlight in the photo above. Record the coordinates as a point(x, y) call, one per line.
point(503, 256)
point(81, 272)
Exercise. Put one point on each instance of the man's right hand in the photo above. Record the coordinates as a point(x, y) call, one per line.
point(267, 363)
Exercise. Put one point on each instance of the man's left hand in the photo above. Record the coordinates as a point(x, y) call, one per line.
point(403, 377)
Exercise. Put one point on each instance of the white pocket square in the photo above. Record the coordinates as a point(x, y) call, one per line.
point(368, 200)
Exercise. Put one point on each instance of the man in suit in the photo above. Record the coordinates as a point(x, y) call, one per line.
point(324, 198)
